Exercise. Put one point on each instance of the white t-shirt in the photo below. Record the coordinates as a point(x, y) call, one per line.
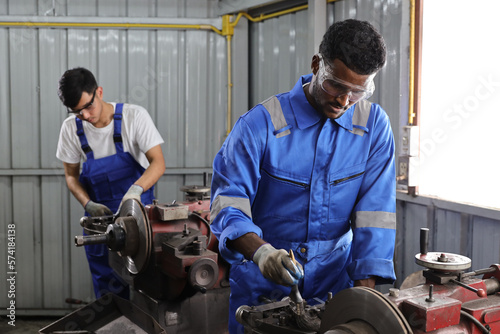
point(139, 135)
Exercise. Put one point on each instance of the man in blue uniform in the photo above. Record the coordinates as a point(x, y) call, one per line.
point(123, 159)
point(312, 171)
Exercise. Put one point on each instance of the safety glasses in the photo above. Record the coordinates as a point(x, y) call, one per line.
point(89, 105)
point(337, 87)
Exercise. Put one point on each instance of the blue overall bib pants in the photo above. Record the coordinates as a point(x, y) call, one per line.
point(106, 181)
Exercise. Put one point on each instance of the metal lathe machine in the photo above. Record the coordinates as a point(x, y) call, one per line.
point(179, 282)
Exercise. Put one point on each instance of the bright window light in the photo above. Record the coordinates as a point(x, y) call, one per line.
point(460, 102)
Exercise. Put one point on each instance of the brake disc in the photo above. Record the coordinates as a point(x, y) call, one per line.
point(137, 262)
point(362, 310)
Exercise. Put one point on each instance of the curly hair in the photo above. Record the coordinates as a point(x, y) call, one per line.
point(73, 83)
point(357, 44)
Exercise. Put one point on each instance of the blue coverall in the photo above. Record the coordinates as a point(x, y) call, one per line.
point(106, 181)
point(322, 188)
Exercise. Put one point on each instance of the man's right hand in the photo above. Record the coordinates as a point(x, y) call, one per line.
point(95, 209)
point(277, 266)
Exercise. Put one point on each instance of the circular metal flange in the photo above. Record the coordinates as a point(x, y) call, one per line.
point(203, 273)
point(195, 189)
point(136, 263)
point(363, 305)
point(443, 261)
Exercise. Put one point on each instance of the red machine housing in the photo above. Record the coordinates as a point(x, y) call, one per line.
point(447, 307)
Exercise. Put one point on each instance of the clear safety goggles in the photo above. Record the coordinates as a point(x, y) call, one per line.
point(338, 87)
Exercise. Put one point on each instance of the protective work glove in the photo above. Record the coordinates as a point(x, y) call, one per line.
point(135, 191)
point(277, 266)
point(96, 210)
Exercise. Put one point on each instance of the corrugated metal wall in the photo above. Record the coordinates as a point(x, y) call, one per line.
point(180, 77)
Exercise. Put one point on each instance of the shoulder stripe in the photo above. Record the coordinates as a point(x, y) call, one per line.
point(360, 117)
point(273, 106)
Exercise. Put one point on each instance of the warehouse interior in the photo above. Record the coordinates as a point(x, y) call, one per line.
point(196, 66)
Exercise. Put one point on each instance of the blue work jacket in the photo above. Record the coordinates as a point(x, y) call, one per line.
point(320, 187)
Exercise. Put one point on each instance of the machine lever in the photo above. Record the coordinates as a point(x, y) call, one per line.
point(479, 292)
point(479, 272)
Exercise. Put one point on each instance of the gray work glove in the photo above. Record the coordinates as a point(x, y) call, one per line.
point(277, 266)
point(96, 210)
point(135, 191)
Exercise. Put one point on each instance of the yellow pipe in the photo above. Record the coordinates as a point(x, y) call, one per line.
point(229, 85)
point(112, 25)
point(411, 88)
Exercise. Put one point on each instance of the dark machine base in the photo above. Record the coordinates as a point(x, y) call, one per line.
point(203, 313)
point(108, 314)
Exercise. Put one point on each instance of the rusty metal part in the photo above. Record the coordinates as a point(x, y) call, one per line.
point(366, 305)
point(203, 274)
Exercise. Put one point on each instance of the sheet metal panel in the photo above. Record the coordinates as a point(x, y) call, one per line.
point(411, 217)
point(24, 101)
point(55, 245)
point(5, 220)
point(279, 55)
point(448, 231)
point(171, 108)
point(485, 241)
point(51, 111)
point(5, 112)
point(29, 285)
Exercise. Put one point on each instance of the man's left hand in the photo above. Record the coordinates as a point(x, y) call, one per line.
point(135, 192)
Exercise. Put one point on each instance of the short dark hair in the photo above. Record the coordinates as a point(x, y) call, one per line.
point(357, 44)
point(73, 83)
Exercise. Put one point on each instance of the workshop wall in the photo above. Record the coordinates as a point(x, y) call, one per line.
point(178, 75)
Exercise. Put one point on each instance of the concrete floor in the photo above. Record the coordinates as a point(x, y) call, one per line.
point(25, 325)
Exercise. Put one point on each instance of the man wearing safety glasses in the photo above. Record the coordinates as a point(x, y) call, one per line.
point(310, 171)
point(122, 159)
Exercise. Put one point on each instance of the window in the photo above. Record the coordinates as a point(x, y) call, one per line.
point(460, 101)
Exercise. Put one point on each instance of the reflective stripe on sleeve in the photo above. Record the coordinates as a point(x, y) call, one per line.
point(379, 219)
point(221, 202)
point(273, 106)
point(360, 117)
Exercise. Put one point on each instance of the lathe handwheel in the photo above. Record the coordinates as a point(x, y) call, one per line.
point(367, 311)
point(447, 262)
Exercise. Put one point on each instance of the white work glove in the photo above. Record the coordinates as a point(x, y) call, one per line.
point(277, 266)
point(96, 210)
point(135, 191)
